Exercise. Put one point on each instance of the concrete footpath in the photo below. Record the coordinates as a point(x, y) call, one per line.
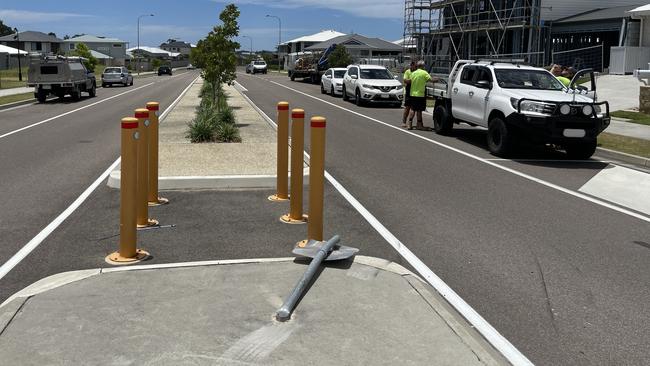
point(363, 312)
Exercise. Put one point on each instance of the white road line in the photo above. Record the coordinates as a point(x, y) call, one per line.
point(482, 160)
point(551, 161)
point(38, 239)
point(499, 342)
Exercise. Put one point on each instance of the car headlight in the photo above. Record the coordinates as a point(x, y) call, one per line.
point(532, 107)
point(587, 110)
point(368, 86)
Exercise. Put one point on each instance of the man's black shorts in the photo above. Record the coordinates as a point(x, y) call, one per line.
point(418, 104)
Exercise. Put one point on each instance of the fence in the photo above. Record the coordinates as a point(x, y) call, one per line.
point(582, 58)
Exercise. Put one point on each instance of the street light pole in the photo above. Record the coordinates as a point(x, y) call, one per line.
point(279, 36)
point(137, 60)
point(20, 69)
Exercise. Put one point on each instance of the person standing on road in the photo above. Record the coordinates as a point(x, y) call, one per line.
point(407, 94)
point(419, 80)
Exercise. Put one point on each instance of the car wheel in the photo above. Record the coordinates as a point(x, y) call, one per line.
point(93, 91)
point(131, 82)
point(357, 98)
point(332, 91)
point(126, 83)
point(76, 95)
point(103, 85)
point(442, 121)
point(292, 76)
point(499, 138)
point(41, 96)
point(322, 89)
point(345, 94)
point(581, 150)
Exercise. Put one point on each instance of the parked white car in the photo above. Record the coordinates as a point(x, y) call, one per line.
point(256, 66)
point(332, 81)
point(371, 83)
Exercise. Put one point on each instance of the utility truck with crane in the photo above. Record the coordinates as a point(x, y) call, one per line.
point(308, 65)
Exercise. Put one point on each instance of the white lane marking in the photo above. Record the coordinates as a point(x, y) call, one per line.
point(483, 160)
point(626, 187)
point(72, 111)
point(38, 239)
point(551, 161)
point(493, 336)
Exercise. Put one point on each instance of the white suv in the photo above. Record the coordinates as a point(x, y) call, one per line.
point(370, 83)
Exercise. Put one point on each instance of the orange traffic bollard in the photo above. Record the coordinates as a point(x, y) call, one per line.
point(316, 180)
point(142, 209)
point(128, 253)
point(152, 193)
point(295, 215)
point(282, 173)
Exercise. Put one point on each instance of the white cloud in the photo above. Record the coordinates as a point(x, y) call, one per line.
point(27, 17)
point(361, 8)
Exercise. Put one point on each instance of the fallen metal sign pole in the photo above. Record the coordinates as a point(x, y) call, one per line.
point(319, 251)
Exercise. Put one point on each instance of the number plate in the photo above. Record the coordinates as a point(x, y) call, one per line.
point(570, 132)
point(46, 86)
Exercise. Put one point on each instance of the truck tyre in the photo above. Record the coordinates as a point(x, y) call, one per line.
point(499, 138)
point(41, 96)
point(104, 85)
point(75, 94)
point(292, 76)
point(443, 123)
point(314, 79)
point(322, 89)
point(345, 94)
point(582, 149)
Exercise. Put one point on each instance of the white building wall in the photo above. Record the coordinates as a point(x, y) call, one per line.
point(556, 9)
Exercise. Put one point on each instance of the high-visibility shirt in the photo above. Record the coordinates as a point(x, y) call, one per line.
point(563, 80)
point(407, 75)
point(419, 79)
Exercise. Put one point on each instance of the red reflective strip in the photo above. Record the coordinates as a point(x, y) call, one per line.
point(297, 115)
point(152, 107)
point(142, 115)
point(283, 107)
point(318, 124)
point(129, 124)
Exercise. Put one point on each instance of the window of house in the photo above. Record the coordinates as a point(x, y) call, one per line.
point(117, 45)
point(37, 46)
point(71, 46)
point(364, 52)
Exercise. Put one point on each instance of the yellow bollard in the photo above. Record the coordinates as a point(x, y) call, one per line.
point(295, 215)
point(127, 252)
point(152, 194)
point(142, 209)
point(316, 180)
point(282, 193)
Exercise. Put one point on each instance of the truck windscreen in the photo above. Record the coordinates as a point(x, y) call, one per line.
point(527, 79)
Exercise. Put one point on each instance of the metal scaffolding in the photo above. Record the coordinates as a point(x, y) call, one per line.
point(442, 31)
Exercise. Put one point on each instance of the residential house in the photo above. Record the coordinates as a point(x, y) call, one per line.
point(175, 46)
point(143, 57)
point(32, 41)
point(112, 50)
point(9, 57)
point(364, 50)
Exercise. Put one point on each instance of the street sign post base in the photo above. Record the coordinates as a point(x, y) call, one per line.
point(288, 220)
point(150, 223)
point(275, 198)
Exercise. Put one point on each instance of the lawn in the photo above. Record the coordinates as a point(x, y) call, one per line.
point(629, 145)
point(9, 78)
point(634, 117)
point(16, 98)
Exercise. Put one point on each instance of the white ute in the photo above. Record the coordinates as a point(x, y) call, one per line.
point(521, 103)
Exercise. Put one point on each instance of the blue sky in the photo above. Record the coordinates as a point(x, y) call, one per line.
point(190, 20)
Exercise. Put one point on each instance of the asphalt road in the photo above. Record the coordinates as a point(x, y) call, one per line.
point(565, 279)
point(45, 167)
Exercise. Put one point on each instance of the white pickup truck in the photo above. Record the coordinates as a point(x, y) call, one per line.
point(521, 103)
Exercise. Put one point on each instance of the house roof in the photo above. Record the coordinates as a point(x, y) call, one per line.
point(641, 10)
point(94, 39)
point(175, 44)
point(617, 12)
point(100, 56)
point(11, 50)
point(31, 36)
point(356, 41)
point(317, 37)
point(153, 50)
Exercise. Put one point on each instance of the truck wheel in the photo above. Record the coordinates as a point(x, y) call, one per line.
point(357, 98)
point(41, 96)
point(442, 121)
point(292, 76)
point(314, 79)
point(583, 149)
point(76, 95)
point(345, 94)
point(498, 136)
point(322, 89)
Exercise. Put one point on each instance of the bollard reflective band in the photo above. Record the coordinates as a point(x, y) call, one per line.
point(298, 115)
point(140, 114)
point(152, 106)
point(283, 106)
point(319, 123)
point(129, 124)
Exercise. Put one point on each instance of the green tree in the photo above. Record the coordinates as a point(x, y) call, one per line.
point(216, 53)
point(339, 57)
point(155, 63)
point(5, 29)
point(82, 50)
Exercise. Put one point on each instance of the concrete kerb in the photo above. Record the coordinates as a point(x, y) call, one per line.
point(622, 157)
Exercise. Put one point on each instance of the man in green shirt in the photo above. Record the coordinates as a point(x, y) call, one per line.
point(407, 91)
point(557, 71)
point(419, 79)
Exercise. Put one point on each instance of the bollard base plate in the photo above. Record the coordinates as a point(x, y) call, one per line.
point(117, 260)
point(150, 223)
point(161, 201)
point(288, 220)
point(276, 198)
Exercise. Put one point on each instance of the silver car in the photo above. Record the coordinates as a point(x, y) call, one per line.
point(116, 75)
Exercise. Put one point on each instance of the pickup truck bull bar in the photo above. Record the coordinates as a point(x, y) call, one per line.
point(570, 104)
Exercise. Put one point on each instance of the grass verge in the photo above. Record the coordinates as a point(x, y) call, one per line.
point(9, 78)
point(629, 145)
point(634, 117)
point(16, 98)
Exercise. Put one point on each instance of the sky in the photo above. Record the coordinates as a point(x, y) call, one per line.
point(191, 20)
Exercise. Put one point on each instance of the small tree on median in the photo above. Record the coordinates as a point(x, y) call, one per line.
point(216, 54)
point(82, 50)
point(339, 57)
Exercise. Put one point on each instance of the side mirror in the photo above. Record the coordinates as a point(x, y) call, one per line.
point(484, 84)
point(328, 76)
point(354, 77)
point(396, 77)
